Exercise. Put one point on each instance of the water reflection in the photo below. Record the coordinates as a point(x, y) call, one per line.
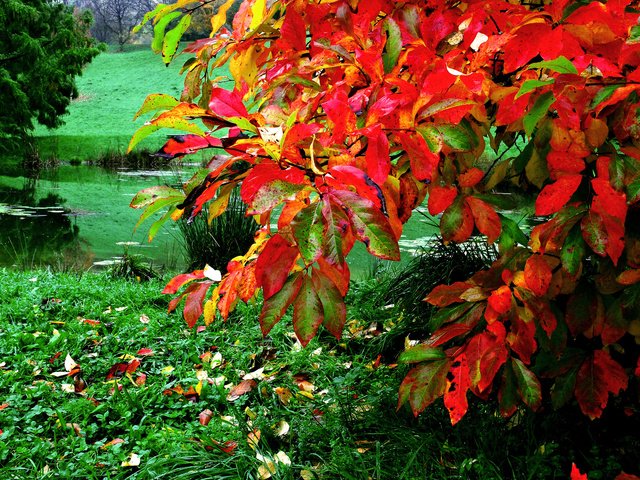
point(38, 231)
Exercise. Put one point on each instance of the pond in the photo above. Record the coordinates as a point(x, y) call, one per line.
point(79, 217)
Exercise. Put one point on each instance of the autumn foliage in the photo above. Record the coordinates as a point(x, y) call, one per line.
point(344, 116)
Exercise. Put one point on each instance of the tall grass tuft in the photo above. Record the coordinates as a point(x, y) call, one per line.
point(215, 243)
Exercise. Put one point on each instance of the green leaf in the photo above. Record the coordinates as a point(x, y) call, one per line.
point(308, 312)
point(562, 389)
point(274, 308)
point(150, 195)
point(529, 386)
point(142, 133)
point(308, 231)
point(573, 251)
point(148, 16)
point(393, 46)
point(603, 94)
point(172, 39)
point(530, 85)
point(370, 225)
point(508, 393)
point(459, 138)
point(561, 65)
point(537, 112)
point(155, 226)
point(159, 29)
point(156, 101)
point(511, 234)
point(421, 353)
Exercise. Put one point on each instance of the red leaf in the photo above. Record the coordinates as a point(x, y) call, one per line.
point(193, 303)
point(486, 353)
point(133, 366)
point(422, 160)
point(445, 295)
point(470, 178)
point(179, 145)
point(293, 32)
point(227, 103)
point(500, 300)
point(521, 338)
point(576, 474)
point(377, 156)
point(144, 352)
point(353, 177)
point(333, 306)
point(455, 397)
point(556, 195)
point(598, 376)
point(205, 417)
point(537, 274)
point(486, 219)
point(273, 265)
point(626, 476)
point(180, 280)
point(440, 198)
point(242, 388)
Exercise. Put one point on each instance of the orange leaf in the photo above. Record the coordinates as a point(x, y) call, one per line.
point(556, 195)
point(243, 387)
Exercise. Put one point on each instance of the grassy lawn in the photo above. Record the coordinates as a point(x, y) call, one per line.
point(112, 89)
point(98, 381)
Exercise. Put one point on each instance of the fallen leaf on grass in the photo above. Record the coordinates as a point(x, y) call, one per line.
point(167, 370)
point(89, 321)
point(281, 428)
point(3, 406)
point(205, 417)
point(115, 441)
point(243, 387)
point(284, 395)
point(144, 318)
point(255, 375)
point(133, 461)
point(144, 352)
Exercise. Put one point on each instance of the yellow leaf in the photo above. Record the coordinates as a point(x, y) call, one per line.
point(258, 11)
point(167, 370)
point(220, 18)
point(243, 66)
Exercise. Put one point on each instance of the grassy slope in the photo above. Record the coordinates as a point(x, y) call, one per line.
point(111, 89)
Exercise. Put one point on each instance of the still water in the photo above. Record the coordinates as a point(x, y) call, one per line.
point(79, 216)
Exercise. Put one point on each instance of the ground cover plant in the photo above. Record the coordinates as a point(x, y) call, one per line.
point(344, 116)
point(98, 381)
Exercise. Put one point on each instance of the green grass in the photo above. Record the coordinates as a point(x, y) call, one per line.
point(112, 89)
point(345, 427)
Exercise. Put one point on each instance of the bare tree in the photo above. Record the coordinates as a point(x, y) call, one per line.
point(115, 19)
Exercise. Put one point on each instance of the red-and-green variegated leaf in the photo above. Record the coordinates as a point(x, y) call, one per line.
point(440, 198)
point(421, 353)
point(455, 397)
point(579, 311)
point(456, 223)
point(508, 392)
point(308, 312)
point(521, 338)
point(486, 353)
point(445, 295)
point(423, 161)
point(308, 231)
point(424, 384)
point(348, 176)
point(556, 195)
point(177, 282)
point(338, 238)
point(629, 277)
point(573, 251)
point(266, 173)
point(339, 274)
point(369, 224)
point(598, 376)
point(193, 303)
point(486, 219)
point(274, 263)
point(470, 178)
point(460, 327)
point(274, 308)
point(333, 306)
point(227, 103)
point(594, 233)
point(537, 274)
point(272, 194)
point(529, 386)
